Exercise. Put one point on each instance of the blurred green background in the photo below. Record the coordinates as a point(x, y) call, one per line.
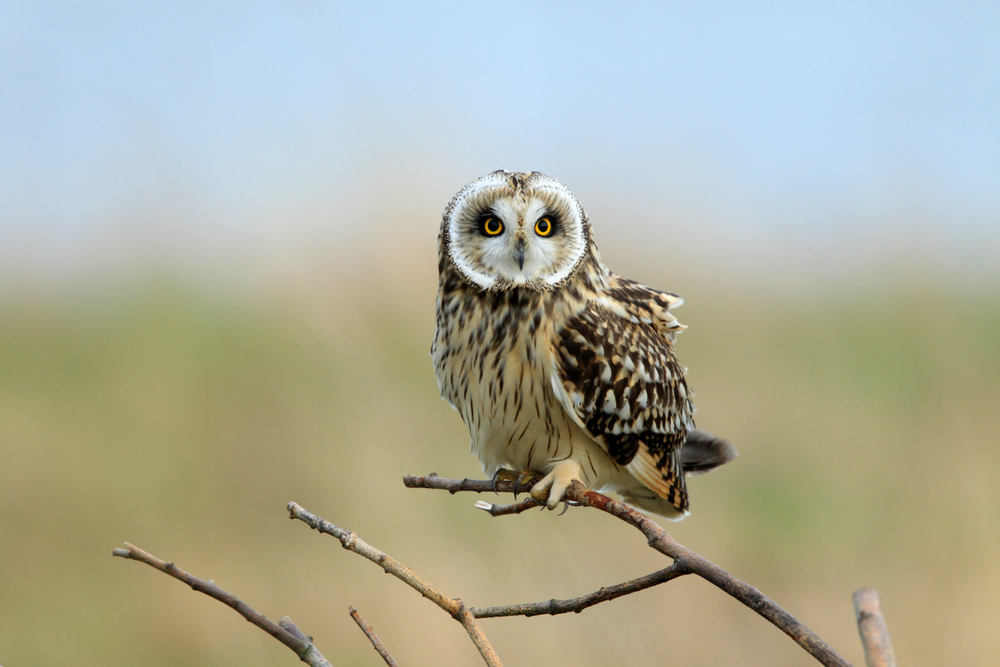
point(217, 278)
point(183, 421)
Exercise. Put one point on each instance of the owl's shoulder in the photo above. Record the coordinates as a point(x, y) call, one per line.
point(639, 304)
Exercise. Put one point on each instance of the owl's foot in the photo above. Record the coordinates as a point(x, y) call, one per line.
point(552, 488)
point(503, 475)
point(523, 481)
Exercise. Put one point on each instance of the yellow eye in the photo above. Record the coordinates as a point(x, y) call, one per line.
point(492, 226)
point(543, 227)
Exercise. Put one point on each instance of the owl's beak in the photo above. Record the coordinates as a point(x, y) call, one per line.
point(519, 252)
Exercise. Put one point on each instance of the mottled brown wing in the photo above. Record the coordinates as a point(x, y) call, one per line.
point(620, 378)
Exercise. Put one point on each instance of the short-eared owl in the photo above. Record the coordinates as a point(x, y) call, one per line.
point(556, 364)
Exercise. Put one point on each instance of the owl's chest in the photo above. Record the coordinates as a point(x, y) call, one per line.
point(494, 365)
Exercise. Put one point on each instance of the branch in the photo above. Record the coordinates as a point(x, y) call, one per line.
point(455, 607)
point(286, 633)
point(576, 605)
point(658, 539)
point(503, 510)
point(372, 637)
point(871, 625)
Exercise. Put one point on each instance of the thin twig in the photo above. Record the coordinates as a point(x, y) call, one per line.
point(660, 540)
point(576, 605)
point(293, 640)
point(453, 486)
point(871, 625)
point(502, 510)
point(455, 607)
point(372, 637)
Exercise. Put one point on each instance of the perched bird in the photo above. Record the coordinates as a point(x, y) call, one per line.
point(561, 369)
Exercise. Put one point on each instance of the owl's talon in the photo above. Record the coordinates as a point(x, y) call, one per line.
point(525, 480)
point(504, 475)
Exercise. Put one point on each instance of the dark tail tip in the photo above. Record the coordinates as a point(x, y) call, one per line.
point(703, 452)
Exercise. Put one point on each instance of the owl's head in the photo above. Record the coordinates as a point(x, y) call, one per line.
point(508, 230)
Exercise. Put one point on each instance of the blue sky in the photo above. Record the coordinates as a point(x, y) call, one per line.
point(216, 130)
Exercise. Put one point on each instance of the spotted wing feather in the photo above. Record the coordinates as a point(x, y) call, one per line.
point(620, 378)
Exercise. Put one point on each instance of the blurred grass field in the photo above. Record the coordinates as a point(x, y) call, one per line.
point(183, 419)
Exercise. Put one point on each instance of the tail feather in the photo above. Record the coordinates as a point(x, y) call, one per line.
point(703, 452)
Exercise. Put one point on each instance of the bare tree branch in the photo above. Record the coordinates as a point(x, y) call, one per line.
point(286, 633)
point(287, 624)
point(372, 637)
point(871, 625)
point(502, 510)
point(554, 607)
point(455, 607)
point(453, 486)
point(660, 540)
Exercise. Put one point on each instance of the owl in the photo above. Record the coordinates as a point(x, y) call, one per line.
point(561, 369)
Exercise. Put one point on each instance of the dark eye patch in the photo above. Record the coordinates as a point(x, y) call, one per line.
point(555, 224)
point(488, 224)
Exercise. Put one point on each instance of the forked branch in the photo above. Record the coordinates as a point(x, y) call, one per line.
point(285, 632)
point(455, 607)
point(684, 559)
point(871, 624)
